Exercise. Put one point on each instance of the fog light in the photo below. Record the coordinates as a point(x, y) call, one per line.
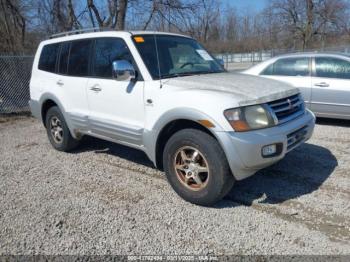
point(269, 150)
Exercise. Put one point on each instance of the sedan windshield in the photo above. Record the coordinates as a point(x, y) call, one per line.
point(178, 56)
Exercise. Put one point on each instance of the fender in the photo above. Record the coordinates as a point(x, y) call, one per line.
point(151, 133)
point(49, 96)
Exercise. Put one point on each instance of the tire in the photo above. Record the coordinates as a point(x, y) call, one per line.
point(63, 140)
point(214, 184)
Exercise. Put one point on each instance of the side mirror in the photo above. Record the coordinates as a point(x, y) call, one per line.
point(220, 61)
point(122, 70)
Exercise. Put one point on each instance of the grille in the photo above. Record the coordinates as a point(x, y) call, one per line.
point(288, 108)
point(296, 138)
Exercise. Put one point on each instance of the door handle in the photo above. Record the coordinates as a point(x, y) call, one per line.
point(323, 84)
point(60, 83)
point(96, 88)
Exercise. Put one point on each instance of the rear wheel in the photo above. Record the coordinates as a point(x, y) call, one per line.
point(58, 132)
point(196, 167)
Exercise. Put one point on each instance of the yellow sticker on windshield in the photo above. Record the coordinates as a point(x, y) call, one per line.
point(139, 39)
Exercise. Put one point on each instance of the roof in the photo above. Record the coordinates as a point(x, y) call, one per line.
point(91, 32)
point(316, 53)
point(156, 33)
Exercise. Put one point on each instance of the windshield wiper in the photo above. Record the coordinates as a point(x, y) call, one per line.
point(176, 75)
point(205, 72)
point(189, 74)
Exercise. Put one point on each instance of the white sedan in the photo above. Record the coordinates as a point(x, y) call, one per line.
point(323, 79)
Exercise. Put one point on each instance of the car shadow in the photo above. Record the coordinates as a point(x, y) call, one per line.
point(333, 122)
point(100, 146)
point(301, 172)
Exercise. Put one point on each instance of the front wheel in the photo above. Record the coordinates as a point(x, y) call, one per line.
point(196, 167)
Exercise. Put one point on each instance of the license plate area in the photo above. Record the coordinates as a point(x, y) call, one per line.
point(296, 138)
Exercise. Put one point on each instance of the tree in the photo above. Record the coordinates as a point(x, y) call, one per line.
point(309, 28)
point(116, 14)
point(13, 26)
point(283, 24)
point(292, 18)
point(331, 15)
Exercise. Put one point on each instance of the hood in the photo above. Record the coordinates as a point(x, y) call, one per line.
point(245, 89)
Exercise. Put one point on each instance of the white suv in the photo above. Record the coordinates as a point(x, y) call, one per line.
point(166, 95)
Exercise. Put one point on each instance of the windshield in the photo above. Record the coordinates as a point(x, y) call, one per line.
point(178, 56)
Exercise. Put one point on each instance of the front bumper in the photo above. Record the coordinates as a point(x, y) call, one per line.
point(243, 150)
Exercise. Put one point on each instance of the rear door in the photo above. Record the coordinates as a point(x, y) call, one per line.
point(116, 107)
point(45, 79)
point(331, 87)
point(73, 70)
point(295, 71)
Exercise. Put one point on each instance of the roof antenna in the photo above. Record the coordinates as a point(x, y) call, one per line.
point(159, 74)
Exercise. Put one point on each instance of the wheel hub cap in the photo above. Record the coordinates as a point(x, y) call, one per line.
point(56, 129)
point(191, 168)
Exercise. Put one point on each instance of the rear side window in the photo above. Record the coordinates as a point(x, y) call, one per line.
point(289, 67)
point(108, 50)
point(79, 54)
point(332, 68)
point(48, 58)
point(63, 60)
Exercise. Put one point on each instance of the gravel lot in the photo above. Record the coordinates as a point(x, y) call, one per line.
point(108, 199)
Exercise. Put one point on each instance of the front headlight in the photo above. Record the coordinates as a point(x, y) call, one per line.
point(249, 118)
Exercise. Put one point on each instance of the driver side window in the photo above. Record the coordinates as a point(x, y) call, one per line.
point(106, 51)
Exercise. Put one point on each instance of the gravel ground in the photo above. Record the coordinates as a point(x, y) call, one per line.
point(108, 199)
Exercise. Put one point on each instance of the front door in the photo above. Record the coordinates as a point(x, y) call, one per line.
point(116, 108)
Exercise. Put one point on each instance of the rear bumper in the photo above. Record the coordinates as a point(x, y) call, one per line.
point(244, 150)
point(35, 108)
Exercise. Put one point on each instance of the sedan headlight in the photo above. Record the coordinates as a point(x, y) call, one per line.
point(249, 118)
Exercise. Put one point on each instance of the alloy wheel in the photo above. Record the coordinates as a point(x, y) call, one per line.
point(56, 129)
point(191, 168)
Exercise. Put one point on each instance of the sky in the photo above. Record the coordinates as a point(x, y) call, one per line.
point(254, 5)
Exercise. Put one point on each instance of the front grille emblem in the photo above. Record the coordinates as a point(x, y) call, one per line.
point(286, 109)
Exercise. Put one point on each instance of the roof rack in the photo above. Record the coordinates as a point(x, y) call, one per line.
point(80, 31)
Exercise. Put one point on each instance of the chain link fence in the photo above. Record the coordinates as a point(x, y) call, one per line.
point(15, 74)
